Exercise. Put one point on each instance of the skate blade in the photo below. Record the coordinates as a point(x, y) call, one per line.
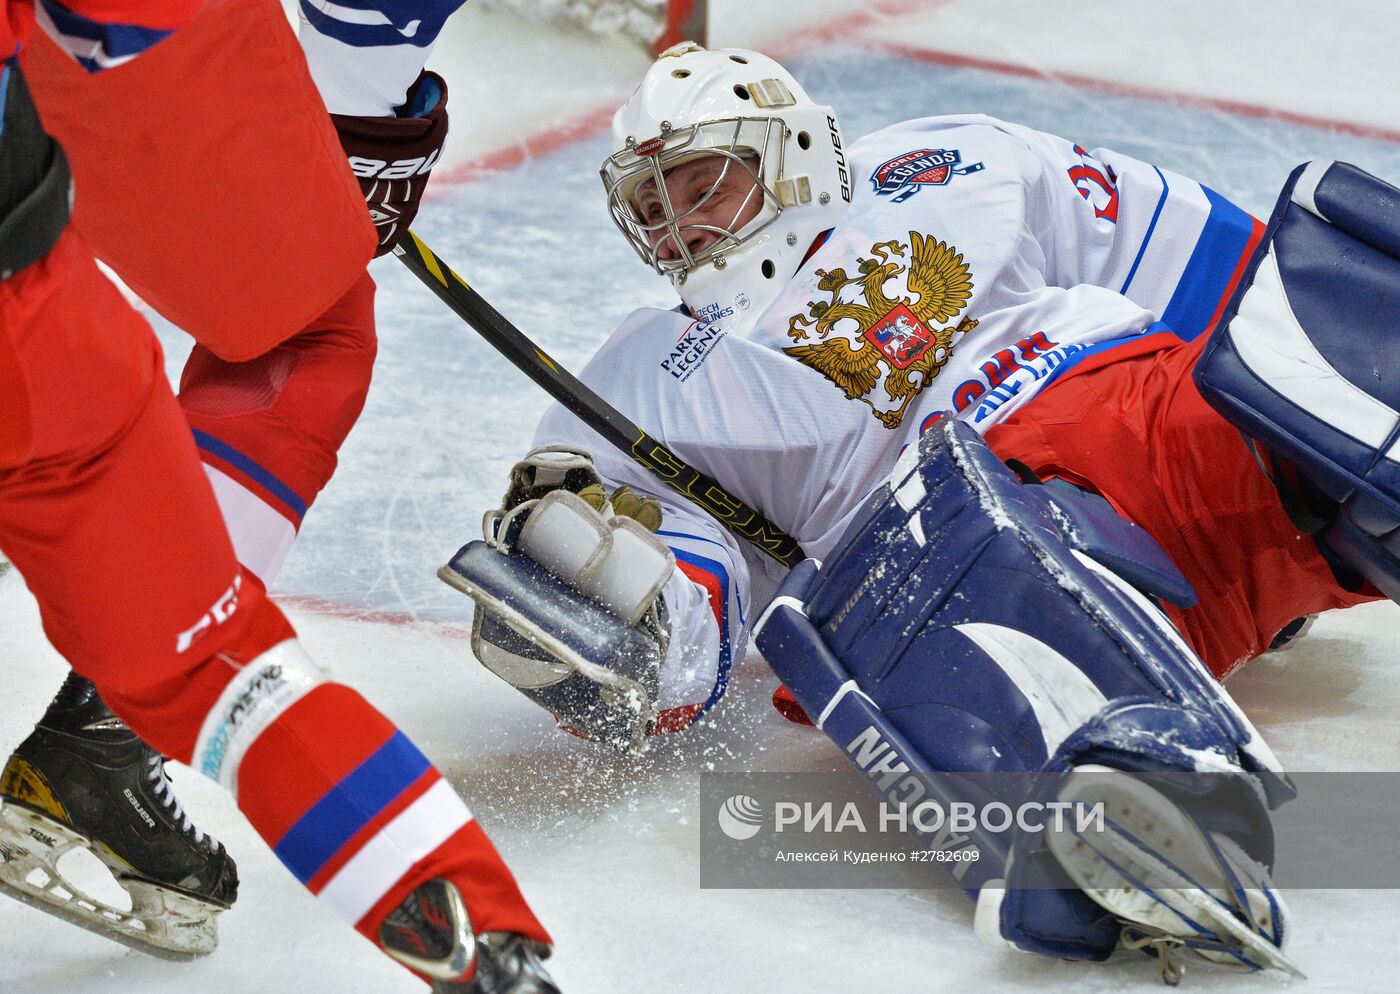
point(162, 922)
point(1142, 823)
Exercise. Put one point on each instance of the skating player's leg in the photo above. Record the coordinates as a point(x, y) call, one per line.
point(105, 509)
point(268, 429)
point(81, 766)
point(168, 179)
point(284, 324)
point(81, 773)
point(185, 644)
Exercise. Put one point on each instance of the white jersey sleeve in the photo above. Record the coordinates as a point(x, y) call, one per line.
point(365, 54)
point(707, 601)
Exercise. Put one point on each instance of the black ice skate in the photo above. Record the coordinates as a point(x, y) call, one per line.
point(432, 934)
point(83, 780)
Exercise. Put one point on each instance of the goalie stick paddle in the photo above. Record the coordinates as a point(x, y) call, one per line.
point(593, 410)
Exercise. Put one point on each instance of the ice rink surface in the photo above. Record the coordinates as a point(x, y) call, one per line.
point(607, 847)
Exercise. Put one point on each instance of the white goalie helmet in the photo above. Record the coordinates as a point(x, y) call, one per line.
point(770, 176)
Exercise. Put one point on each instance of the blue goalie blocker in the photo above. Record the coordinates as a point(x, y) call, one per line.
point(1306, 361)
point(969, 623)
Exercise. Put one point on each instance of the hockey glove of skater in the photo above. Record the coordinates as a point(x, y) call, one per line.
point(392, 156)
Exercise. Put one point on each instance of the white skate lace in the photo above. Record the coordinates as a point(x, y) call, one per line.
point(165, 791)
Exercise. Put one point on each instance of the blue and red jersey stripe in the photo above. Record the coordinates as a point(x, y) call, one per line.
point(712, 576)
point(385, 780)
point(252, 475)
point(1226, 243)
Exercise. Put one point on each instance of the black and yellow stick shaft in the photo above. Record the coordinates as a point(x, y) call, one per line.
point(593, 410)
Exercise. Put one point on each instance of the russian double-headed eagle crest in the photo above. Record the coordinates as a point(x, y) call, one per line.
point(868, 336)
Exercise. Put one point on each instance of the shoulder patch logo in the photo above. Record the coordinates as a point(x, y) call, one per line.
point(867, 337)
point(901, 177)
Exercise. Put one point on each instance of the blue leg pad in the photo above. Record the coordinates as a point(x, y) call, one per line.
point(970, 623)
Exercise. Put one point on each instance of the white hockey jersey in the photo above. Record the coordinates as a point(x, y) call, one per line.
point(978, 261)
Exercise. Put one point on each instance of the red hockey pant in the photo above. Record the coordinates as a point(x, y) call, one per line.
point(106, 511)
point(209, 177)
point(1134, 428)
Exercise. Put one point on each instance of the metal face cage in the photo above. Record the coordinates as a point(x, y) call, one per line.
point(737, 141)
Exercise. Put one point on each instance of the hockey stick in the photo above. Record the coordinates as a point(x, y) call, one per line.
point(593, 410)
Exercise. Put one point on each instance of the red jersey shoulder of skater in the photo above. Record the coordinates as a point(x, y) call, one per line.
point(99, 34)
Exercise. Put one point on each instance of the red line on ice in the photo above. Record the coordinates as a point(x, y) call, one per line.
point(529, 148)
point(1119, 88)
point(843, 28)
point(556, 137)
point(335, 609)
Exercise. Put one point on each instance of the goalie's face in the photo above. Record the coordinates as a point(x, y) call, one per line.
point(697, 194)
point(722, 174)
point(700, 205)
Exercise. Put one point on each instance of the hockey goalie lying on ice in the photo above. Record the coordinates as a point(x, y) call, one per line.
point(972, 369)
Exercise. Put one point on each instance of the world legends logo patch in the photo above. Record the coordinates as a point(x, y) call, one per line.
point(902, 176)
